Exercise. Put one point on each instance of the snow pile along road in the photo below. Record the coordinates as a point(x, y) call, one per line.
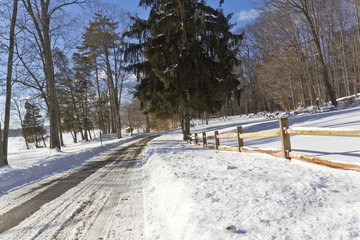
point(196, 193)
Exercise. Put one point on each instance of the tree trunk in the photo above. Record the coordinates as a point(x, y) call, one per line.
point(206, 118)
point(147, 123)
point(74, 135)
point(43, 139)
point(186, 122)
point(60, 131)
point(50, 79)
point(8, 81)
point(320, 56)
point(343, 55)
point(99, 110)
point(182, 122)
point(113, 95)
point(2, 158)
point(357, 44)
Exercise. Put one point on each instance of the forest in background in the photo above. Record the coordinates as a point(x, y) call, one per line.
point(296, 50)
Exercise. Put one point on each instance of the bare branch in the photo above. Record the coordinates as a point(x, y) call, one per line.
point(65, 4)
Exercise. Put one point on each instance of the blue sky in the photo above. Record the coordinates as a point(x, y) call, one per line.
point(243, 10)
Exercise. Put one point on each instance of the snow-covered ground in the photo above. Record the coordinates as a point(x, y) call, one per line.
point(337, 149)
point(198, 193)
point(191, 192)
point(27, 166)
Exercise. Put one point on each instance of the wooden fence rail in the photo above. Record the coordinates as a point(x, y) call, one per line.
point(284, 133)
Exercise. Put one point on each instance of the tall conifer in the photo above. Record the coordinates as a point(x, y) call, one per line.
point(184, 58)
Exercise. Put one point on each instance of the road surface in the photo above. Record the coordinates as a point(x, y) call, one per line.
point(103, 200)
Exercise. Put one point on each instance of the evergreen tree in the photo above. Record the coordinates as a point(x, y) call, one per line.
point(33, 125)
point(68, 101)
point(184, 58)
point(76, 94)
point(84, 90)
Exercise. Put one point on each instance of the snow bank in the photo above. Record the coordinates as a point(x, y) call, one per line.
point(196, 193)
point(168, 213)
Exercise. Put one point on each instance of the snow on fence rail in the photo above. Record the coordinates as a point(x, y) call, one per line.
point(284, 133)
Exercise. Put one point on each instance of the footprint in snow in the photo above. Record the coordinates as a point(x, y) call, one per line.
point(233, 229)
point(231, 167)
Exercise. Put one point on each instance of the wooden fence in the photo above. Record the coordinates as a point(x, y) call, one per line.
point(284, 132)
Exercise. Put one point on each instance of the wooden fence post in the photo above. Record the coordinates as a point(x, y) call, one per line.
point(217, 140)
point(204, 140)
point(196, 138)
point(240, 141)
point(285, 138)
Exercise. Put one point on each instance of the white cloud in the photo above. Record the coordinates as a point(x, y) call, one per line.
point(247, 15)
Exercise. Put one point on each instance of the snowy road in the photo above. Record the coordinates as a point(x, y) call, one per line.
point(101, 201)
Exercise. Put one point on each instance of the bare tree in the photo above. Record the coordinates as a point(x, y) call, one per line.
point(41, 12)
point(309, 10)
point(18, 106)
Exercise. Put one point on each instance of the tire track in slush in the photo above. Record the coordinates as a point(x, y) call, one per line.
point(59, 186)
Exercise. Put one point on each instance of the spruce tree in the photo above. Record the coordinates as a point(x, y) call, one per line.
point(184, 58)
point(68, 98)
point(33, 125)
point(84, 90)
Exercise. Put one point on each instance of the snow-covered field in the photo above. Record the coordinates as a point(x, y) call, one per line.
point(191, 192)
point(337, 149)
point(198, 193)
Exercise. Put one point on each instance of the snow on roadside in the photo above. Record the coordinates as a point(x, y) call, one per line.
point(27, 166)
point(196, 193)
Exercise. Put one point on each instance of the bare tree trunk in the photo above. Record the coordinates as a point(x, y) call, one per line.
point(99, 110)
point(206, 118)
point(41, 19)
point(74, 135)
point(182, 123)
point(43, 139)
point(50, 80)
point(2, 158)
point(147, 123)
point(43, 30)
point(60, 131)
point(292, 90)
point(357, 43)
point(320, 54)
point(343, 54)
point(26, 143)
point(113, 95)
point(186, 122)
point(4, 144)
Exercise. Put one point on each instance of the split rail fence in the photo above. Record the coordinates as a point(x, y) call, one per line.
point(284, 132)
